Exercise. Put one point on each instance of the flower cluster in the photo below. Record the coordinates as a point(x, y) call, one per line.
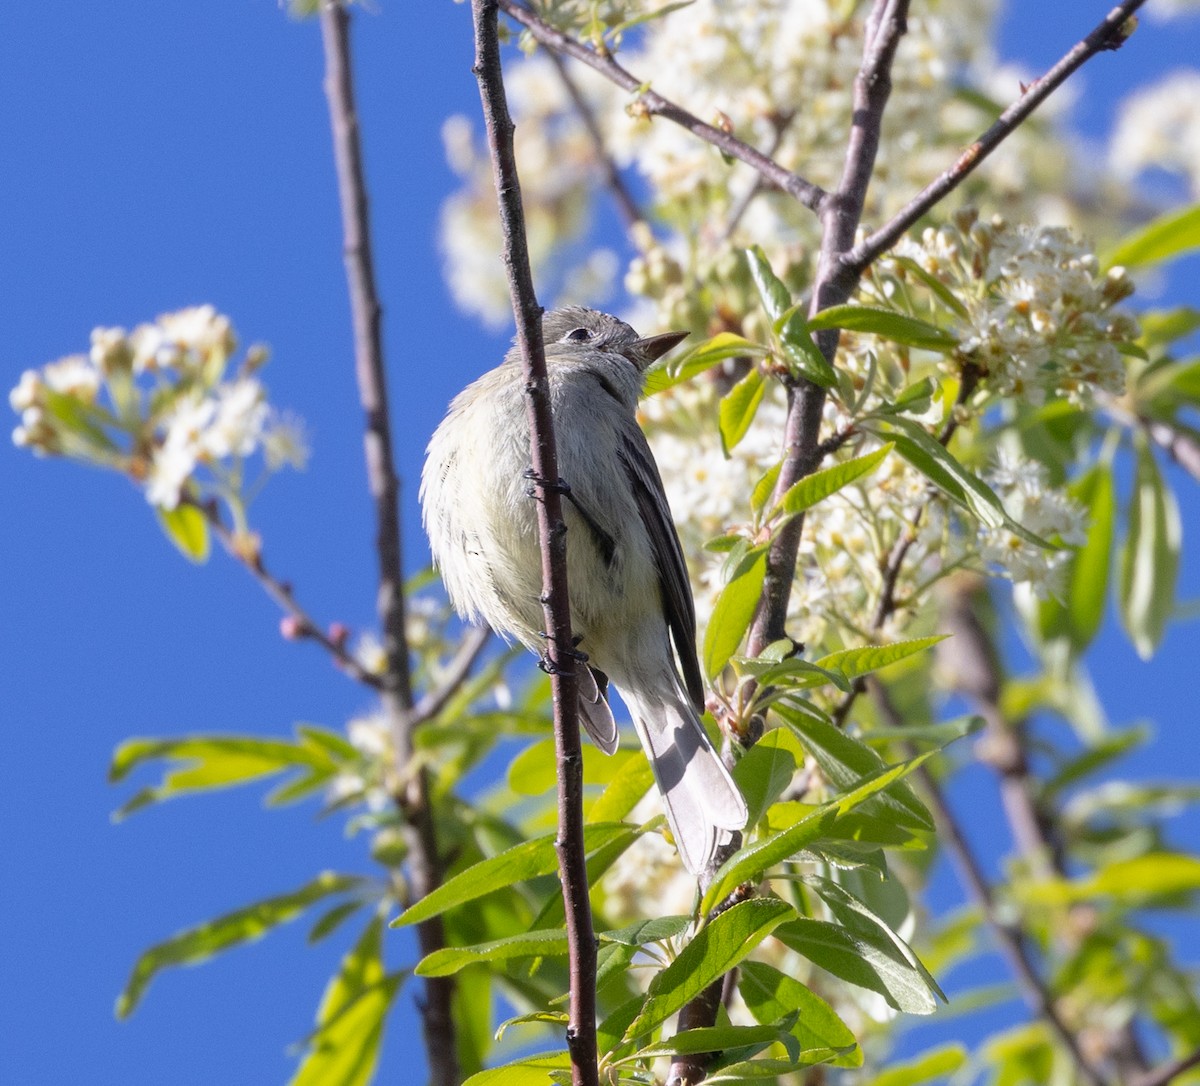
point(157, 404)
point(1037, 316)
point(1158, 127)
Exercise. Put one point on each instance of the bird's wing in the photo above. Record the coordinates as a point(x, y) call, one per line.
point(647, 487)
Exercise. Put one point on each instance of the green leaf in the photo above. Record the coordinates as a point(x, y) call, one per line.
point(528, 860)
point(633, 779)
point(186, 527)
point(750, 863)
point(734, 611)
point(915, 399)
point(527, 1071)
point(689, 1042)
point(645, 17)
point(738, 407)
point(1149, 556)
point(854, 663)
point(766, 769)
point(717, 947)
point(940, 467)
point(776, 298)
point(1161, 327)
point(240, 926)
point(930, 1065)
point(529, 944)
point(345, 1048)
point(1087, 575)
point(668, 372)
point(847, 761)
point(642, 932)
point(763, 489)
point(535, 1018)
point(1140, 880)
point(534, 771)
point(200, 763)
point(806, 492)
point(943, 293)
point(1169, 236)
point(801, 349)
point(886, 323)
point(770, 995)
point(868, 961)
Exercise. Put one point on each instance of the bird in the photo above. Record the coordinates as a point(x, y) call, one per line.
point(631, 603)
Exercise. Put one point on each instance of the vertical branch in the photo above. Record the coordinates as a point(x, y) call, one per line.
point(840, 212)
point(560, 656)
point(412, 793)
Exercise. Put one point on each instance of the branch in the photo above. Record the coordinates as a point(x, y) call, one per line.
point(412, 795)
point(655, 104)
point(626, 204)
point(282, 593)
point(1110, 34)
point(1013, 943)
point(560, 660)
point(1165, 1072)
point(840, 213)
point(434, 701)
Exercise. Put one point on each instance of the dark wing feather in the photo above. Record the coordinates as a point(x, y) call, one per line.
point(647, 487)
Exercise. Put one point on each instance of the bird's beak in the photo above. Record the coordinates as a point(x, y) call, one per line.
point(653, 348)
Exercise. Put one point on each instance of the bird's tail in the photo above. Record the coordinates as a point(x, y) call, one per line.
point(703, 804)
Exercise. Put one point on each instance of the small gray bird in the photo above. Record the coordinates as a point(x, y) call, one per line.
point(630, 596)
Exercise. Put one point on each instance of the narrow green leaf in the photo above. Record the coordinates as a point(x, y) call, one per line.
point(1138, 881)
point(717, 947)
point(854, 663)
point(199, 763)
point(187, 528)
point(642, 932)
point(766, 769)
point(529, 944)
point(738, 407)
point(913, 400)
point(764, 488)
point(776, 298)
point(633, 779)
point(801, 349)
point(527, 860)
point(345, 1048)
point(1149, 556)
point(646, 17)
point(1087, 574)
point(668, 372)
point(870, 962)
point(240, 926)
point(527, 1071)
point(689, 1042)
point(770, 995)
point(733, 612)
point(887, 324)
point(534, 771)
point(806, 492)
point(936, 1063)
point(1169, 236)
point(333, 919)
point(559, 1019)
point(1161, 327)
point(847, 761)
point(943, 293)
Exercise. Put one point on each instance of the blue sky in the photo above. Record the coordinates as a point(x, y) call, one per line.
point(163, 155)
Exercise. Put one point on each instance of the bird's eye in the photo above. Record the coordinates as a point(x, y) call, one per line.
point(579, 335)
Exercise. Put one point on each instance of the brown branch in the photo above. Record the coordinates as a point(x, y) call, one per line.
point(841, 212)
point(412, 794)
point(1109, 35)
point(1165, 1072)
point(655, 104)
point(1181, 445)
point(434, 701)
point(1012, 940)
point(624, 199)
point(284, 595)
point(560, 659)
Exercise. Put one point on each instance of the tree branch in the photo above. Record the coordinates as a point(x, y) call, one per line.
point(624, 199)
point(655, 104)
point(1110, 34)
point(283, 595)
point(1165, 1072)
point(412, 794)
point(434, 701)
point(560, 658)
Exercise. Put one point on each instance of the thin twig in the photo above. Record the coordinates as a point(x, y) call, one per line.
point(412, 795)
point(560, 659)
point(1165, 1072)
point(434, 701)
point(742, 205)
point(624, 199)
point(1011, 938)
point(284, 595)
point(654, 104)
point(1110, 34)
